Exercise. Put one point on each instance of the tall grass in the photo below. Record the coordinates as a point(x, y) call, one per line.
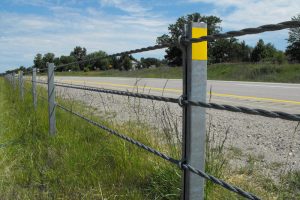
point(80, 162)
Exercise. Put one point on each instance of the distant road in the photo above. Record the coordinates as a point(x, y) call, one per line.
point(272, 96)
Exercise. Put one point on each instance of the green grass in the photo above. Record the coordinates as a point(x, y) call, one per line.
point(289, 73)
point(161, 72)
point(291, 181)
point(265, 72)
point(80, 162)
point(83, 162)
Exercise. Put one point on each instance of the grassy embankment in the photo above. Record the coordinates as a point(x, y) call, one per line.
point(83, 162)
point(162, 72)
point(289, 73)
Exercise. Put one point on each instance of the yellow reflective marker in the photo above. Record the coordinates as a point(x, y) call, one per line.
point(199, 49)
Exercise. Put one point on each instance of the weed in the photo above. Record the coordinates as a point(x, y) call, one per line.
point(235, 152)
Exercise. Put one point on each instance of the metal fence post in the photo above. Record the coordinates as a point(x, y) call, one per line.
point(21, 84)
point(34, 93)
point(194, 133)
point(51, 99)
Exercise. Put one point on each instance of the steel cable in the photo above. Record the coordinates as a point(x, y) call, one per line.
point(220, 182)
point(118, 92)
point(240, 109)
point(246, 31)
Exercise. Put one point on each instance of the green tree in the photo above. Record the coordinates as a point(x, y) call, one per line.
point(147, 62)
point(279, 57)
point(22, 68)
point(99, 63)
point(264, 52)
point(293, 52)
point(229, 50)
point(245, 52)
point(270, 50)
point(115, 62)
point(259, 52)
point(38, 61)
point(79, 53)
point(126, 62)
point(56, 61)
point(173, 54)
point(48, 58)
point(220, 51)
point(293, 48)
point(67, 60)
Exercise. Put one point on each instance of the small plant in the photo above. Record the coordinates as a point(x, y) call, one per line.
point(86, 69)
point(236, 152)
point(291, 184)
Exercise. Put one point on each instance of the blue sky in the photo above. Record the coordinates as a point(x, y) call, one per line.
point(29, 27)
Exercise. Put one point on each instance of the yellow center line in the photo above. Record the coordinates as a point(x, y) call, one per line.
point(125, 86)
point(179, 91)
point(257, 98)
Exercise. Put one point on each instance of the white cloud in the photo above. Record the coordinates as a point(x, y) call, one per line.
point(131, 7)
point(238, 14)
point(16, 24)
point(44, 3)
point(72, 23)
point(249, 13)
point(24, 35)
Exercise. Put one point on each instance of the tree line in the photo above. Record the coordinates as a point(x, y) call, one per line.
point(124, 62)
point(231, 49)
point(72, 61)
point(219, 51)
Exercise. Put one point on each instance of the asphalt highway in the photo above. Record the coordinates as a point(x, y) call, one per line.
point(272, 96)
